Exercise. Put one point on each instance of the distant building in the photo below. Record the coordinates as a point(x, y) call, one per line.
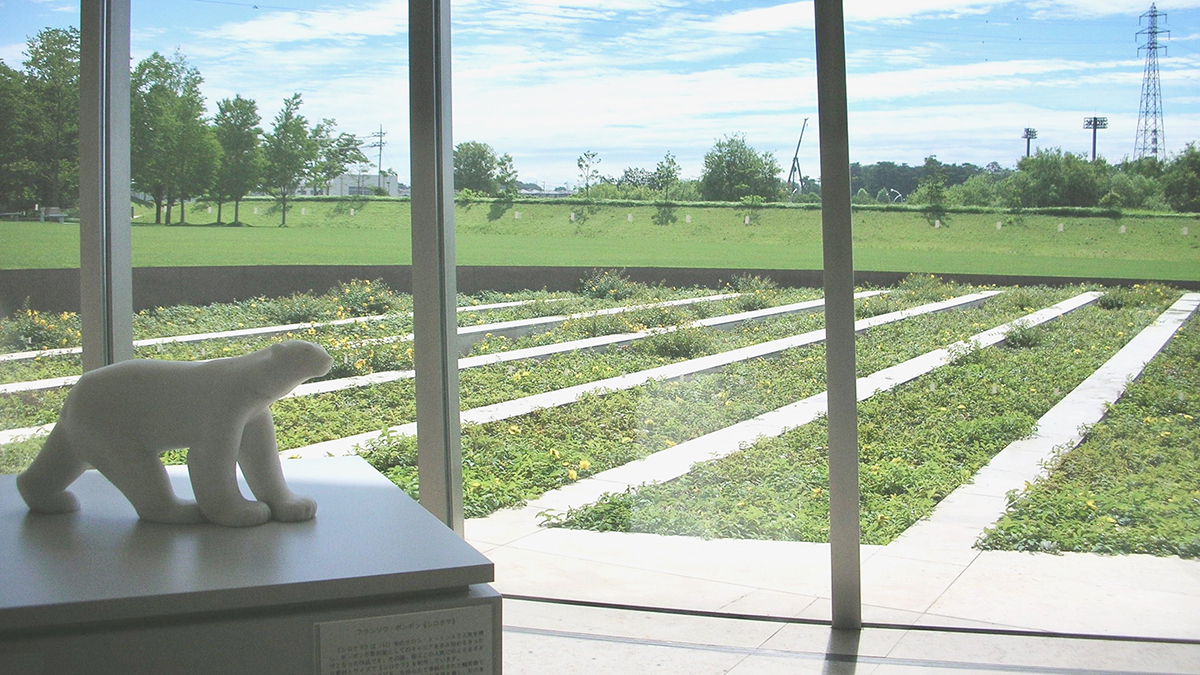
point(544, 194)
point(356, 184)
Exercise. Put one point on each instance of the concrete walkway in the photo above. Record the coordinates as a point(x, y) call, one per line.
point(259, 331)
point(932, 577)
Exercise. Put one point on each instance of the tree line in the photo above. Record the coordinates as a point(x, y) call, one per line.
point(177, 153)
point(1050, 177)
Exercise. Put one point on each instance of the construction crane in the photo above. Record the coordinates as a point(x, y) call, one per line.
point(795, 176)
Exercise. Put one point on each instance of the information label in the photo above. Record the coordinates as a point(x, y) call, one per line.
point(441, 642)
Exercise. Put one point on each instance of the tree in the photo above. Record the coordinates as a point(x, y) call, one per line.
point(733, 170)
point(289, 152)
point(506, 176)
point(174, 153)
point(14, 167)
point(932, 190)
point(335, 152)
point(666, 175)
point(588, 171)
point(1181, 180)
point(478, 168)
point(240, 138)
point(979, 190)
point(475, 167)
point(635, 178)
point(50, 124)
point(1052, 177)
point(152, 126)
point(197, 152)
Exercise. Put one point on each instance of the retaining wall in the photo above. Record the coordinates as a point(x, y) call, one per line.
point(57, 290)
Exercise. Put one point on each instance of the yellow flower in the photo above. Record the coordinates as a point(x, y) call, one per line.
point(555, 453)
point(962, 407)
point(571, 474)
point(817, 492)
point(584, 465)
point(514, 429)
point(1164, 434)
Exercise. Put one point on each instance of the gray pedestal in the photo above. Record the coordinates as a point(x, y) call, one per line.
point(373, 581)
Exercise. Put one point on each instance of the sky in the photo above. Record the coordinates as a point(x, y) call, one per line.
point(546, 80)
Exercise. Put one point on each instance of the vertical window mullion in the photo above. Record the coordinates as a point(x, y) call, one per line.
point(846, 586)
point(105, 259)
point(435, 290)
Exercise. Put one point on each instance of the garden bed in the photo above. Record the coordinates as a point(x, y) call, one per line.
point(1133, 484)
point(918, 442)
point(514, 460)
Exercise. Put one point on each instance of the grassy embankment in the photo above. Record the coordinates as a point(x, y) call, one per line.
point(324, 233)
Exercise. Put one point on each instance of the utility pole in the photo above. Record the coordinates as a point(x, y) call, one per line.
point(378, 143)
point(1150, 141)
point(1029, 135)
point(1095, 124)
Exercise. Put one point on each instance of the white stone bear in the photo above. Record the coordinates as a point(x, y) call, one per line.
point(120, 417)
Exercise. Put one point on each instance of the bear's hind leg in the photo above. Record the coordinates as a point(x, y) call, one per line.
point(142, 478)
point(43, 485)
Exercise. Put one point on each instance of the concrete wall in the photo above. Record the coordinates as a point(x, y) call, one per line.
point(57, 290)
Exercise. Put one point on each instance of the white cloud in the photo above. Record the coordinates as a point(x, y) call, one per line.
point(1090, 9)
point(389, 17)
point(13, 54)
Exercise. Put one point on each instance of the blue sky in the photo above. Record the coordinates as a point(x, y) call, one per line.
point(545, 80)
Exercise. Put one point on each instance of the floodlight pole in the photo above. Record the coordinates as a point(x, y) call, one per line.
point(846, 586)
point(1029, 135)
point(1095, 124)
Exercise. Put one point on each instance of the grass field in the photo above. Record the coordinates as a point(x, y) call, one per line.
point(324, 233)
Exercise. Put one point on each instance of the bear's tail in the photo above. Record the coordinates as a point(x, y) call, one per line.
point(43, 485)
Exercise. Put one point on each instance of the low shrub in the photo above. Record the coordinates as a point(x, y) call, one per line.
point(28, 329)
point(610, 285)
point(684, 343)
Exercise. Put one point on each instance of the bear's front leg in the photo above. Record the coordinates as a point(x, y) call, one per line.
point(259, 459)
point(212, 467)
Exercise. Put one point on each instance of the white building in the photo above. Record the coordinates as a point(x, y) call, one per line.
point(355, 184)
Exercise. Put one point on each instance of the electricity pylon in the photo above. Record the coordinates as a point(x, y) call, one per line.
point(1150, 141)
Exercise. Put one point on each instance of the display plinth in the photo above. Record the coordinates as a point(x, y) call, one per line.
point(99, 591)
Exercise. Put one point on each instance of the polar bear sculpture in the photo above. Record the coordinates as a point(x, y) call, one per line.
point(120, 417)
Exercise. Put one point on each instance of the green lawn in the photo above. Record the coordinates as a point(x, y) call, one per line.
point(379, 233)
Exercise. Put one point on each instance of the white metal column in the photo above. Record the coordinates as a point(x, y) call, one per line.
point(105, 263)
point(435, 289)
point(839, 315)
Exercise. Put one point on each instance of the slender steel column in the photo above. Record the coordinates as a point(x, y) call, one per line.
point(435, 290)
point(839, 315)
point(105, 263)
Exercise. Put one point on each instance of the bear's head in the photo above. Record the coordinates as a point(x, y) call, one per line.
point(292, 362)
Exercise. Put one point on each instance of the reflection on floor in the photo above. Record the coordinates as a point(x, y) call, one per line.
point(555, 639)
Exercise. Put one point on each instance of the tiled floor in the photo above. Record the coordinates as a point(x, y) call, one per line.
point(543, 638)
